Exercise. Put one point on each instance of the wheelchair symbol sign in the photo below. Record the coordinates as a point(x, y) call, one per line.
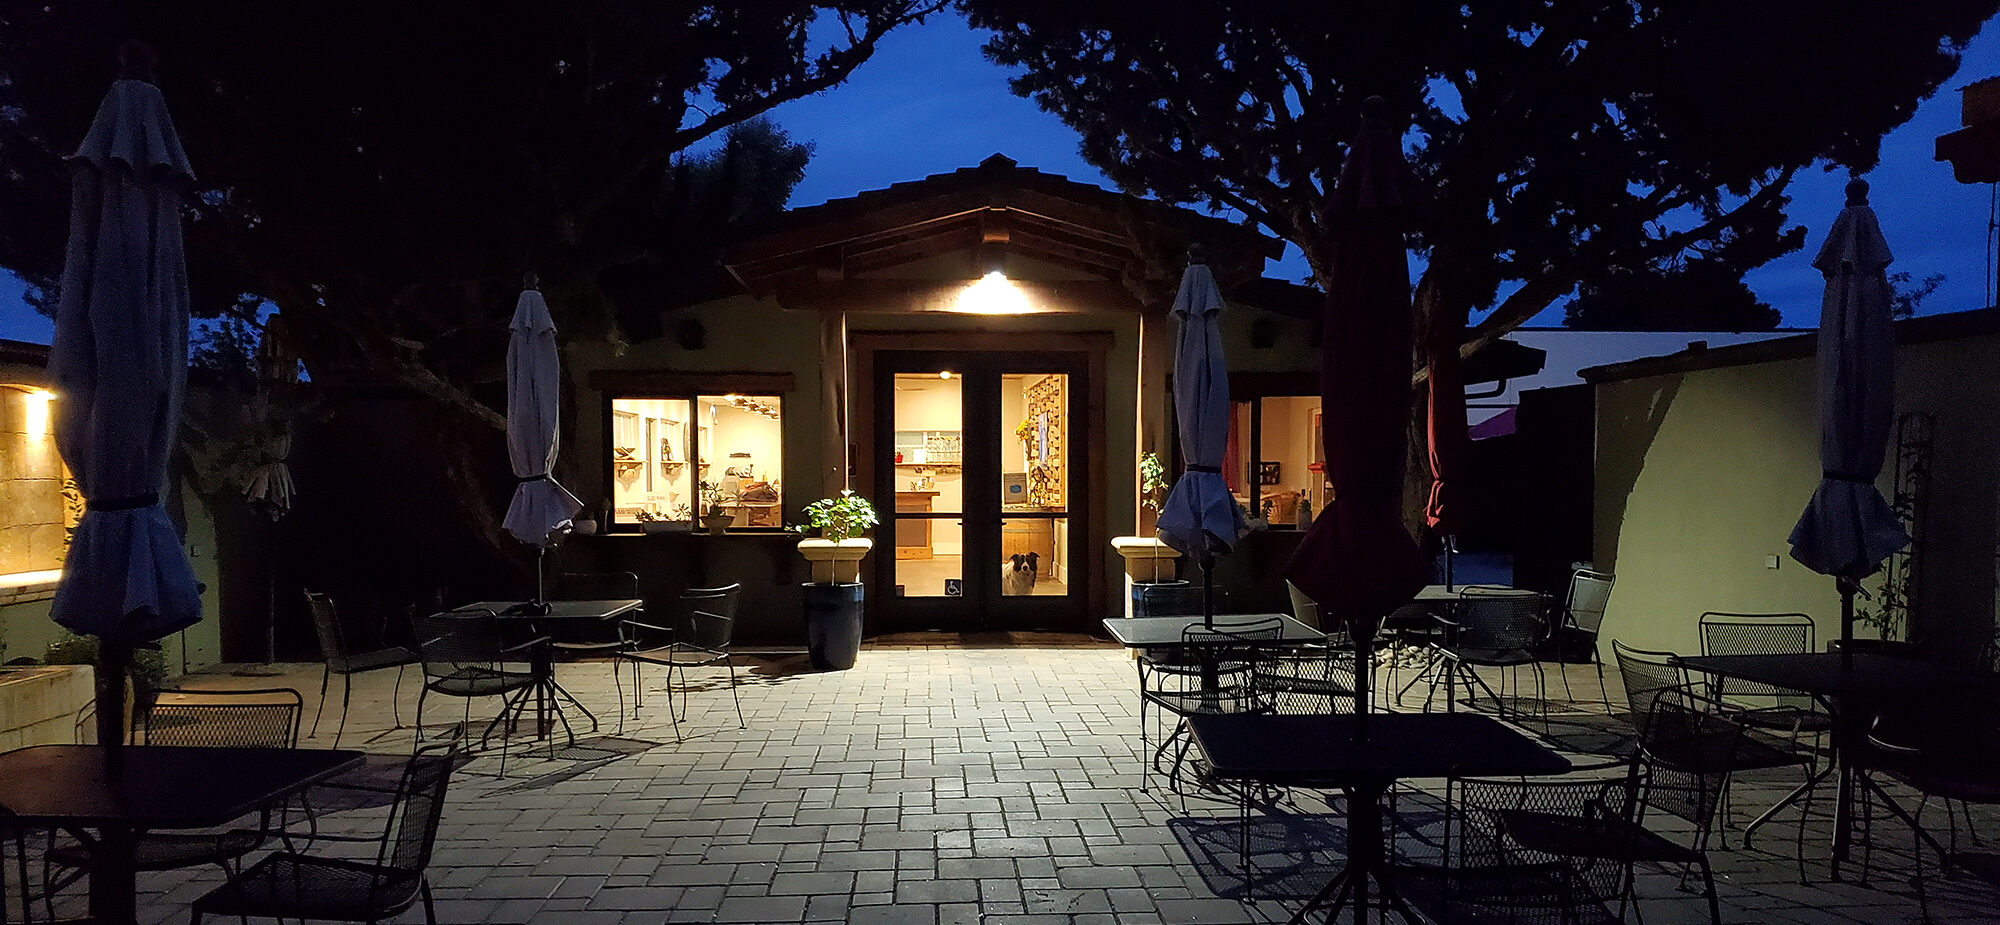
point(954, 587)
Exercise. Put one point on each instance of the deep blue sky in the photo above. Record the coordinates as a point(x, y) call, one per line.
point(929, 103)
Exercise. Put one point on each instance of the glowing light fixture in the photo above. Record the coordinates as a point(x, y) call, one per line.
point(944, 374)
point(35, 416)
point(993, 294)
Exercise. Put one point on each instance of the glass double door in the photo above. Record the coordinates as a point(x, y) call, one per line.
point(977, 451)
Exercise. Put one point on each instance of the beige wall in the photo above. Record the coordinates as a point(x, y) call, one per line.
point(1701, 475)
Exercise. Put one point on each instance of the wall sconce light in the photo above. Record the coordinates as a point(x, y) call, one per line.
point(993, 294)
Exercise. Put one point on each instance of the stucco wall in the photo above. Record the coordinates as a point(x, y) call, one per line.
point(1701, 475)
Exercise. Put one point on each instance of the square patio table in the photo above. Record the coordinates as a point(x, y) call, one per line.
point(1165, 632)
point(81, 787)
point(1333, 751)
point(1848, 684)
point(542, 657)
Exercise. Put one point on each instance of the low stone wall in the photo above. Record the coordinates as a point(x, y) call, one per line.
point(40, 705)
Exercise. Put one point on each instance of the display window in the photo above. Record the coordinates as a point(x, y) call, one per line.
point(678, 459)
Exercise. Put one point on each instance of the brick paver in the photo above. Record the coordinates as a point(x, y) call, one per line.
point(939, 782)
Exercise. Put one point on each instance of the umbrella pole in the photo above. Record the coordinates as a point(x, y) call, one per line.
point(1450, 542)
point(540, 552)
point(114, 658)
point(1208, 591)
point(1846, 623)
point(1363, 669)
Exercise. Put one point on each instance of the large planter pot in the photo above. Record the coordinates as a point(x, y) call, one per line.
point(717, 524)
point(835, 563)
point(833, 625)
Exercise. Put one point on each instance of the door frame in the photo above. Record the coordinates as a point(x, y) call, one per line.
point(1090, 532)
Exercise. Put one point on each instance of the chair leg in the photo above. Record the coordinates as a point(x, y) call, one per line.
point(1708, 888)
point(346, 696)
point(325, 674)
point(396, 698)
point(430, 910)
point(618, 684)
point(730, 662)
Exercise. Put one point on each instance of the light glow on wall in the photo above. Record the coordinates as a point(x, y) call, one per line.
point(37, 412)
point(993, 294)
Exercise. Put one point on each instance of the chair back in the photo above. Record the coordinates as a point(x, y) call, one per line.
point(1496, 619)
point(1478, 833)
point(1686, 750)
point(1756, 634)
point(1589, 592)
point(458, 642)
point(596, 586)
point(413, 817)
point(225, 719)
point(1646, 675)
point(326, 622)
point(705, 618)
point(1236, 642)
point(1182, 600)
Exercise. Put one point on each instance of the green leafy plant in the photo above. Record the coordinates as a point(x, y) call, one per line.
point(840, 518)
point(711, 497)
point(1152, 482)
point(149, 665)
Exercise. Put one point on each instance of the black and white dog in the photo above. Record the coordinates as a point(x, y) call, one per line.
point(1017, 574)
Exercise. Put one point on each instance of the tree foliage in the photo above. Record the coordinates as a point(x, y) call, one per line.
point(1591, 144)
point(385, 172)
point(1702, 295)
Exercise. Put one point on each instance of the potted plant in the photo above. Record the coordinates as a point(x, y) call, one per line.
point(1148, 561)
point(715, 517)
point(651, 522)
point(833, 597)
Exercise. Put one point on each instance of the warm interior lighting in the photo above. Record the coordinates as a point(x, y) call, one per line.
point(993, 294)
point(944, 374)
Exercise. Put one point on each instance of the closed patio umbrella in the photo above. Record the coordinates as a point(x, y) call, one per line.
point(1357, 562)
point(540, 508)
point(119, 363)
point(1847, 528)
point(268, 487)
point(1201, 518)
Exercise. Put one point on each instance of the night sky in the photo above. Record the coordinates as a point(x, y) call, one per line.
point(929, 103)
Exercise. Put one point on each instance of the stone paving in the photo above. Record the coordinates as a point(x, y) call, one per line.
point(945, 781)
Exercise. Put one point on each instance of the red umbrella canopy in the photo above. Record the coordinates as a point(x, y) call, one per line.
point(1445, 423)
point(1357, 562)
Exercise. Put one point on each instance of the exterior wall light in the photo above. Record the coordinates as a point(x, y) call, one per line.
point(993, 294)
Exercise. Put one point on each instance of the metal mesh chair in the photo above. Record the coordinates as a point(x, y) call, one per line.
point(594, 586)
point(1492, 627)
point(204, 719)
point(1583, 615)
point(1646, 674)
point(1490, 874)
point(463, 656)
point(1213, 692)
point(696, 634)
point(1774, 708)
point(292, 885)
point(1650, 675)
point(1309, 679)
point(343, 661)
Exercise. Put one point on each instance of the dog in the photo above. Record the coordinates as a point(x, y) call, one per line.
point(1017, 574)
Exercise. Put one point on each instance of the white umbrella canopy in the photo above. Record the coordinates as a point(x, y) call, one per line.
point(119, 363)
point(1847, 528)
point(540, 508)
point(1200, 517)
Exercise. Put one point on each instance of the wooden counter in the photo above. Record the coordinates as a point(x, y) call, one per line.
point(913, 536)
